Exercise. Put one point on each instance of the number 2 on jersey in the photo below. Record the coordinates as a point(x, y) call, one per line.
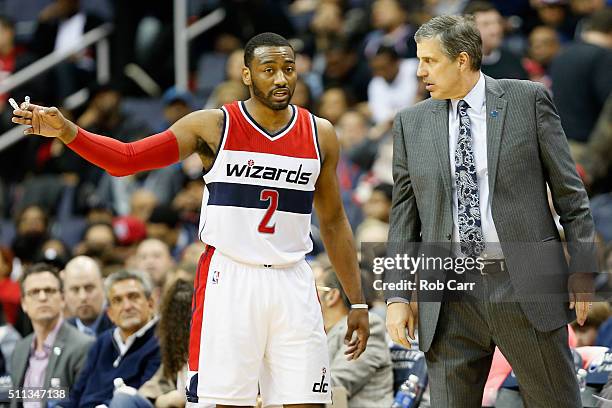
point(272, 197)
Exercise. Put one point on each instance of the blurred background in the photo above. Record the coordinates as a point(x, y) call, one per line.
point(132, 68)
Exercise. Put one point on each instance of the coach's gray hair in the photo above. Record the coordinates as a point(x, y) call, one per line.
point(128, 275)
point(457, 34)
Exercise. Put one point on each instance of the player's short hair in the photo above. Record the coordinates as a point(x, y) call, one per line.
point(456, 34)
point(263, 40)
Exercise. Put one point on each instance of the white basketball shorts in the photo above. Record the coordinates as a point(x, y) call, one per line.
point(256, 328)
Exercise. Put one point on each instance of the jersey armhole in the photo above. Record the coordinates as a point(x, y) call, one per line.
point(315, 136)
point(221, 141)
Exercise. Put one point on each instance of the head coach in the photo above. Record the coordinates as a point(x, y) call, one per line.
point(471, 167)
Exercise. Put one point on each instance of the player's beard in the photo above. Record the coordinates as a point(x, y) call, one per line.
point(267, 99)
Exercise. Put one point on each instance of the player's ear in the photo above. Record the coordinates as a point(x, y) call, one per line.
point(246, 76)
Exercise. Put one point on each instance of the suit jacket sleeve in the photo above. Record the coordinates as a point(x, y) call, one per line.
point(79, 387)
point(20, 353)
point(81, 357)
point(404, 223)
point(569, 196)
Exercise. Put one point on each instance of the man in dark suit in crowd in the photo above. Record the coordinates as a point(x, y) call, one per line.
point(582, 77)
point(471, 165)
point(54, 354)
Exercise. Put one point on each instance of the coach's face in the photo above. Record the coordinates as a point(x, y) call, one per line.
point(271, 76)
point(441, 75)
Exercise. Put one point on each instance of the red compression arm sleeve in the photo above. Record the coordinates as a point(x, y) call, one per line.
point(123, 159)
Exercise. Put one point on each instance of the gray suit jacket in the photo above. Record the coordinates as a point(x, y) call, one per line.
point(66, 360)
point(526, 149)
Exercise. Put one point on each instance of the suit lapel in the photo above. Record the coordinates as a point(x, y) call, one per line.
point(439, 135)
point(56, 352)
point(496, 113)
point(22, 355)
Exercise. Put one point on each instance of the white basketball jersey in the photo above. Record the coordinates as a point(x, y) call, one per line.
point(259, 192)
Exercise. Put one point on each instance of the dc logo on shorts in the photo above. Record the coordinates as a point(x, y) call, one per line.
point(215, 277)
point(321, 386)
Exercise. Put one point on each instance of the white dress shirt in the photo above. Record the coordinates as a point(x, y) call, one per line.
point(477, 111)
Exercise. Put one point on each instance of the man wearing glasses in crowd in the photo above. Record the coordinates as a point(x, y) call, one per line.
point(52, 356)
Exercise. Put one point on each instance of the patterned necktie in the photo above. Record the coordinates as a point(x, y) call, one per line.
point(468, 199)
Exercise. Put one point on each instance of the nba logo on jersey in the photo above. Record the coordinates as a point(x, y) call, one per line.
point(215, 277)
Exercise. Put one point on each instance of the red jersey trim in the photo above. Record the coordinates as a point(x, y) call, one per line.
point(297, 140)
point(260, 129)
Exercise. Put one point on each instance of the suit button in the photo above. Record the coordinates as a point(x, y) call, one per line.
point(448, 236)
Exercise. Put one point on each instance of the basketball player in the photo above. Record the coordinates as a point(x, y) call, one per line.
point(256, 318)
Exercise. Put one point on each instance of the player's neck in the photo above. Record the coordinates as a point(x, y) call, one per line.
point(269, 119)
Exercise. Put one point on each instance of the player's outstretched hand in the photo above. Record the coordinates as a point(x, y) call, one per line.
point(357, 321)
point(44, 121)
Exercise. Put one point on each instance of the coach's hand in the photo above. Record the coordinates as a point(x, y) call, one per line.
point(44, 121)
point(581, 289)
point(401, 316)
point(358, 321)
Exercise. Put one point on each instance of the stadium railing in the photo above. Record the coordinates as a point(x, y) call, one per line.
point(98, 37)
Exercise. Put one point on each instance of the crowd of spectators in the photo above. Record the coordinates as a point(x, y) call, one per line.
point(357, 65)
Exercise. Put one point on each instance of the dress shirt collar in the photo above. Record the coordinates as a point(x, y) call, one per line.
point(89, 330)
point(475, 98)
point(124, 346)
point(48, 343)
point(92, 328)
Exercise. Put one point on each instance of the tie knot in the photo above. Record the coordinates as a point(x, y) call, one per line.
point(462, 106)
